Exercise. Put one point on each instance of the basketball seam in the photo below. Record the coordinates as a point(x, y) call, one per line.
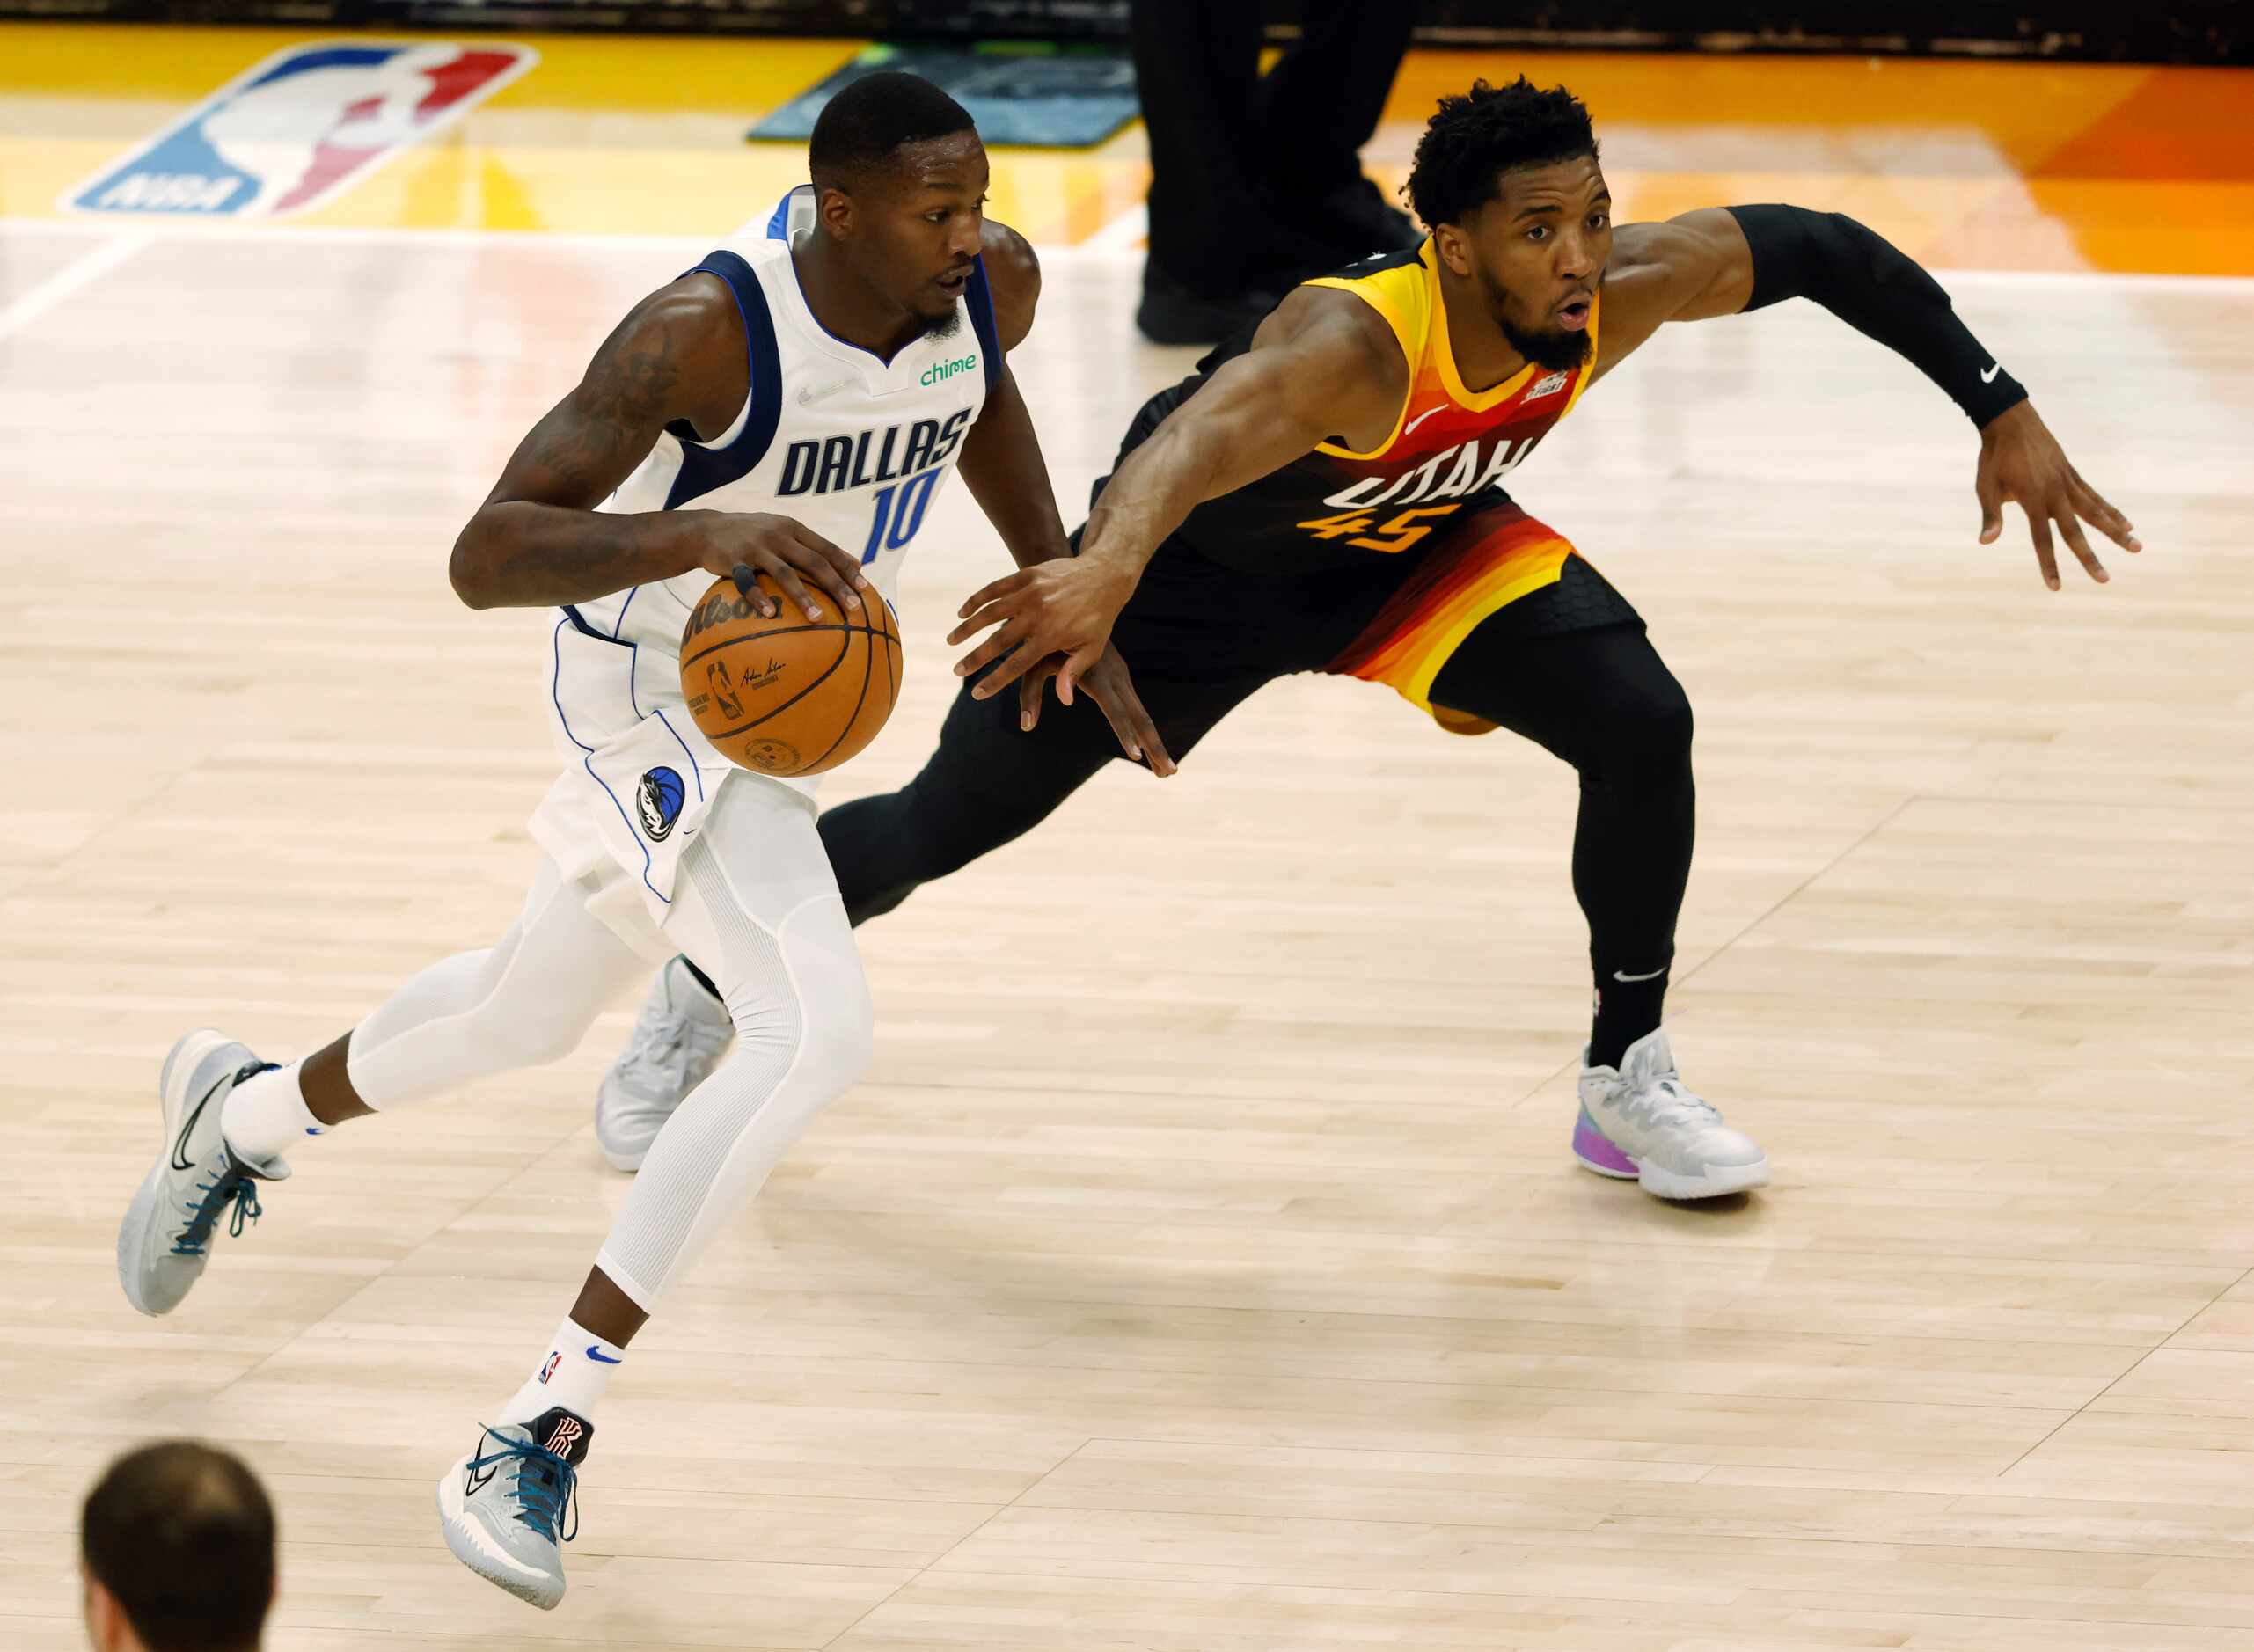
point(868, 666)
point(745, 728)
point(784, 631)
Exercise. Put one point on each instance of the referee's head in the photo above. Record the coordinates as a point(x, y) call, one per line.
point(177, 1541)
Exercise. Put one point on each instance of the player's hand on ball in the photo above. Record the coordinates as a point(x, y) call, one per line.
point(1065, 606)
point(1111, 688)
point(2021, 460)
point(742, 546)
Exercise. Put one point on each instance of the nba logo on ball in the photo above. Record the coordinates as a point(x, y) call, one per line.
point(290, 134)
point(660, 796)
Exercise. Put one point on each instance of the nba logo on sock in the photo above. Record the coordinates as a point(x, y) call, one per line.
point(549, 1370)
point(290, 134)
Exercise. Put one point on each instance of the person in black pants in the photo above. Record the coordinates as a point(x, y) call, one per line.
point(1257, 179)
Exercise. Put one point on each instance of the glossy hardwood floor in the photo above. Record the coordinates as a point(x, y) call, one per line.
point(1201, 1267)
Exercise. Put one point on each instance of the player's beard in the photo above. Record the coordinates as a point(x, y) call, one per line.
point(944, 326)
point(1552, 352)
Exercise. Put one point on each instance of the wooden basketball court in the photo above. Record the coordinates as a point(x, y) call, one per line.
point(1201, 1267)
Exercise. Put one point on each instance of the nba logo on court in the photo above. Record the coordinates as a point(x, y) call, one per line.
point(290, 134)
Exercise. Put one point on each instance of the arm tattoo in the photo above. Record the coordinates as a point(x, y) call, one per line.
point(542, 538)
point(611, 412)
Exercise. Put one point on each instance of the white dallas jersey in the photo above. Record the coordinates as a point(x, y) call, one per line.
point(852, 446)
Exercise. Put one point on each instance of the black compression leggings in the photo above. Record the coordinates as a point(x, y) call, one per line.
point(1605, 702)
point(991, 781)
point(1601, 699)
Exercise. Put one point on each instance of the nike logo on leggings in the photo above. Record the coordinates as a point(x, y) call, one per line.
point(1629, 980)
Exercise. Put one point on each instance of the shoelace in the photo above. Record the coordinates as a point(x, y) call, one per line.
point(547, 1487)
point(1664, 1103)
point(233, 1188)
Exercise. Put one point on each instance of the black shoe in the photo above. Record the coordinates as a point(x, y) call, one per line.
point(1173, 314)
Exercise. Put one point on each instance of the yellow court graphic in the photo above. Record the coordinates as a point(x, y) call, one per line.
point(1964, 164)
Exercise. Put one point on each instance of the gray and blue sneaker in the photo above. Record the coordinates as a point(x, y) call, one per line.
point(679, 1037)
point(166, 1239)
point(503, 1506)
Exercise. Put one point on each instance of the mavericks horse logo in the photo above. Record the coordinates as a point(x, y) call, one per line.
point(660, 799)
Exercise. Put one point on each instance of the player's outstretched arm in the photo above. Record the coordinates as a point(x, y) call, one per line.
point(538, 539)
point(1724, 261)
point(1323, 365)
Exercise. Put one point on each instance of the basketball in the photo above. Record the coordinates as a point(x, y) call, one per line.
point(788, 696)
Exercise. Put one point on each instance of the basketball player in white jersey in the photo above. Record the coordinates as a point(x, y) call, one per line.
point(788, 407)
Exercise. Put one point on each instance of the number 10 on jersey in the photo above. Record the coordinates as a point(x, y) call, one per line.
point(899, 513)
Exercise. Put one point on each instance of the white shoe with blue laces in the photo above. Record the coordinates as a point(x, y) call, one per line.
point(504, 1505)
point(166, 1239)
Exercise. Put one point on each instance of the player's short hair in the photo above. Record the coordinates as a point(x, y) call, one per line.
point(183, 1537)
point(865, 125)
point(1472, 139)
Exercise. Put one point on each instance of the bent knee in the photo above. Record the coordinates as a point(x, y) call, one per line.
point(826, 1010)
point(840, 1024)
point(1639, 730)
point(840, 1039)
point(1664, 721)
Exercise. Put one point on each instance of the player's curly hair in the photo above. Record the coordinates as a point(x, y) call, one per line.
point(1475, 138)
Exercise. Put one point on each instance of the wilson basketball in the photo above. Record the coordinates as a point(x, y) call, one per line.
point(788, 696)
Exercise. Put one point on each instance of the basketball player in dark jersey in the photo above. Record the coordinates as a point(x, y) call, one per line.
point(1324, 495)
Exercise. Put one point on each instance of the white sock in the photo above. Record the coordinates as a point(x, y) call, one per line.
point(573, 1371)
point(266, 1115)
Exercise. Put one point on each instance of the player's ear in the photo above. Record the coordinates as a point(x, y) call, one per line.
point(102, 1614)
point(1453, 247)
point(835, 207)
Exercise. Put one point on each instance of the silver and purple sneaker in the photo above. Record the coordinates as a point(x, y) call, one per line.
point(1639, 1124)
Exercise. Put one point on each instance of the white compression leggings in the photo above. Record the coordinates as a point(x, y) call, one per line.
point(755, 907)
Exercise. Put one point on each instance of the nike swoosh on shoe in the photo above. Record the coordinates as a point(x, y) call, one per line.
point(188, 1125)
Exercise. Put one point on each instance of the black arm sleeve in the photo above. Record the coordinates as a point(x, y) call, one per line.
point(1867, 282)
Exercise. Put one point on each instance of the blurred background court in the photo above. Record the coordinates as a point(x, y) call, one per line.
point(1201, 1267)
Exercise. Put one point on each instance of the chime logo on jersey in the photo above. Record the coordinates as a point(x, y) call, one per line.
point(307, 122)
